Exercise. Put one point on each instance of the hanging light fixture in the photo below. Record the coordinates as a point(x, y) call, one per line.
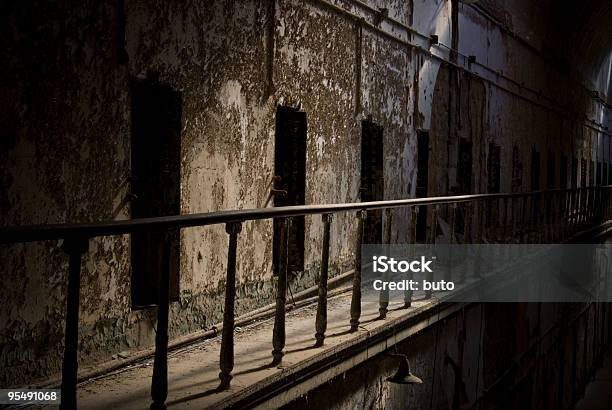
point(403, 374)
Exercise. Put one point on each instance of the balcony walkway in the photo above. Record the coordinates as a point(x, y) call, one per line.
point(193, 370)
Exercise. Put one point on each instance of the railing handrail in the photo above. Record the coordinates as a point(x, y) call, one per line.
point(33, 233)
point(545, 218)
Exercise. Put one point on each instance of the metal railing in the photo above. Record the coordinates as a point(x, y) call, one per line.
point(535, 217)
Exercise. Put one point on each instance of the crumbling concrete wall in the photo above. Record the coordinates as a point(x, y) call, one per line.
point(65, 153)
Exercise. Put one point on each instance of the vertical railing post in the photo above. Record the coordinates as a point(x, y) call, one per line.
point(530, 218)
point(545, 206)
point(578, 209)
point(568, 225)
point(432, 240)
point(524, 220)
point(480, 222)
point(607, 207)
point(595, 207)
point(159, 380)
point(558, 206)
point(539, 219)
point(383, 296)
point(547, 217)
point(604, 205)
point(488, 221)
point(554, 202)
point(554, 205)
point(321, 320)
point(413, 241)
point(584, 194)
point(559, 211)
point(608, 203)
point(74, 247)
point(504, 219)
point(590, 205)
point(448, 273)
point(278, 332)
point(569, 214)
point(565, 215)
point(226, 357)
point(356, 296)
point(467, 237)
point(575, 209)
point(599, 204)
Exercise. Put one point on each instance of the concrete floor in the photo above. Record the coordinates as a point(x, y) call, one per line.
point(193, 371)
point(598, 394)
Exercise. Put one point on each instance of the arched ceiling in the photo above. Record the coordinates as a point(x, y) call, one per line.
point(585, 30)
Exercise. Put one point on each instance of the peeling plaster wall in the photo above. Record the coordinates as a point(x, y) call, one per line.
point(65, 149)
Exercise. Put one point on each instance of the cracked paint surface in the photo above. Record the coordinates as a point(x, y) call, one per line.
point(65, 156)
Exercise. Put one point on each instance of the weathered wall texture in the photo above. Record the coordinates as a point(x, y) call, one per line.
point(65, 146)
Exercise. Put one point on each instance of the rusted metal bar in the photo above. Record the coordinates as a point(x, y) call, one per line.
point(595, 204)
point(488, 221)
point(560, 210)
point(356, 296)
point(600, 198)
point(413, 241)
point(590, 206)
point(448, 273)
point(226, 357)
point(608, 206)
point(278, 332)
point(579, 205)
point(569, 214)
point(554, 202)
point(480, 221)
point(575, 209)
point(496, 225)
point(595, 207)
point(321, 320)
point(383, 296)
point(562, 215)
point(547, 218)
point(542, 218)
point(536, 209)
point(530, 219)
point(431, 243)
point(523, 218)
point(106, 228)
point(159, 381)
point(585, 206)
point(535, 204)
point(504, 220)
point(467, 237)
point(74, 247)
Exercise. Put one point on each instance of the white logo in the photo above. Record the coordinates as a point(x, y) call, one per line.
point(384, 264)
